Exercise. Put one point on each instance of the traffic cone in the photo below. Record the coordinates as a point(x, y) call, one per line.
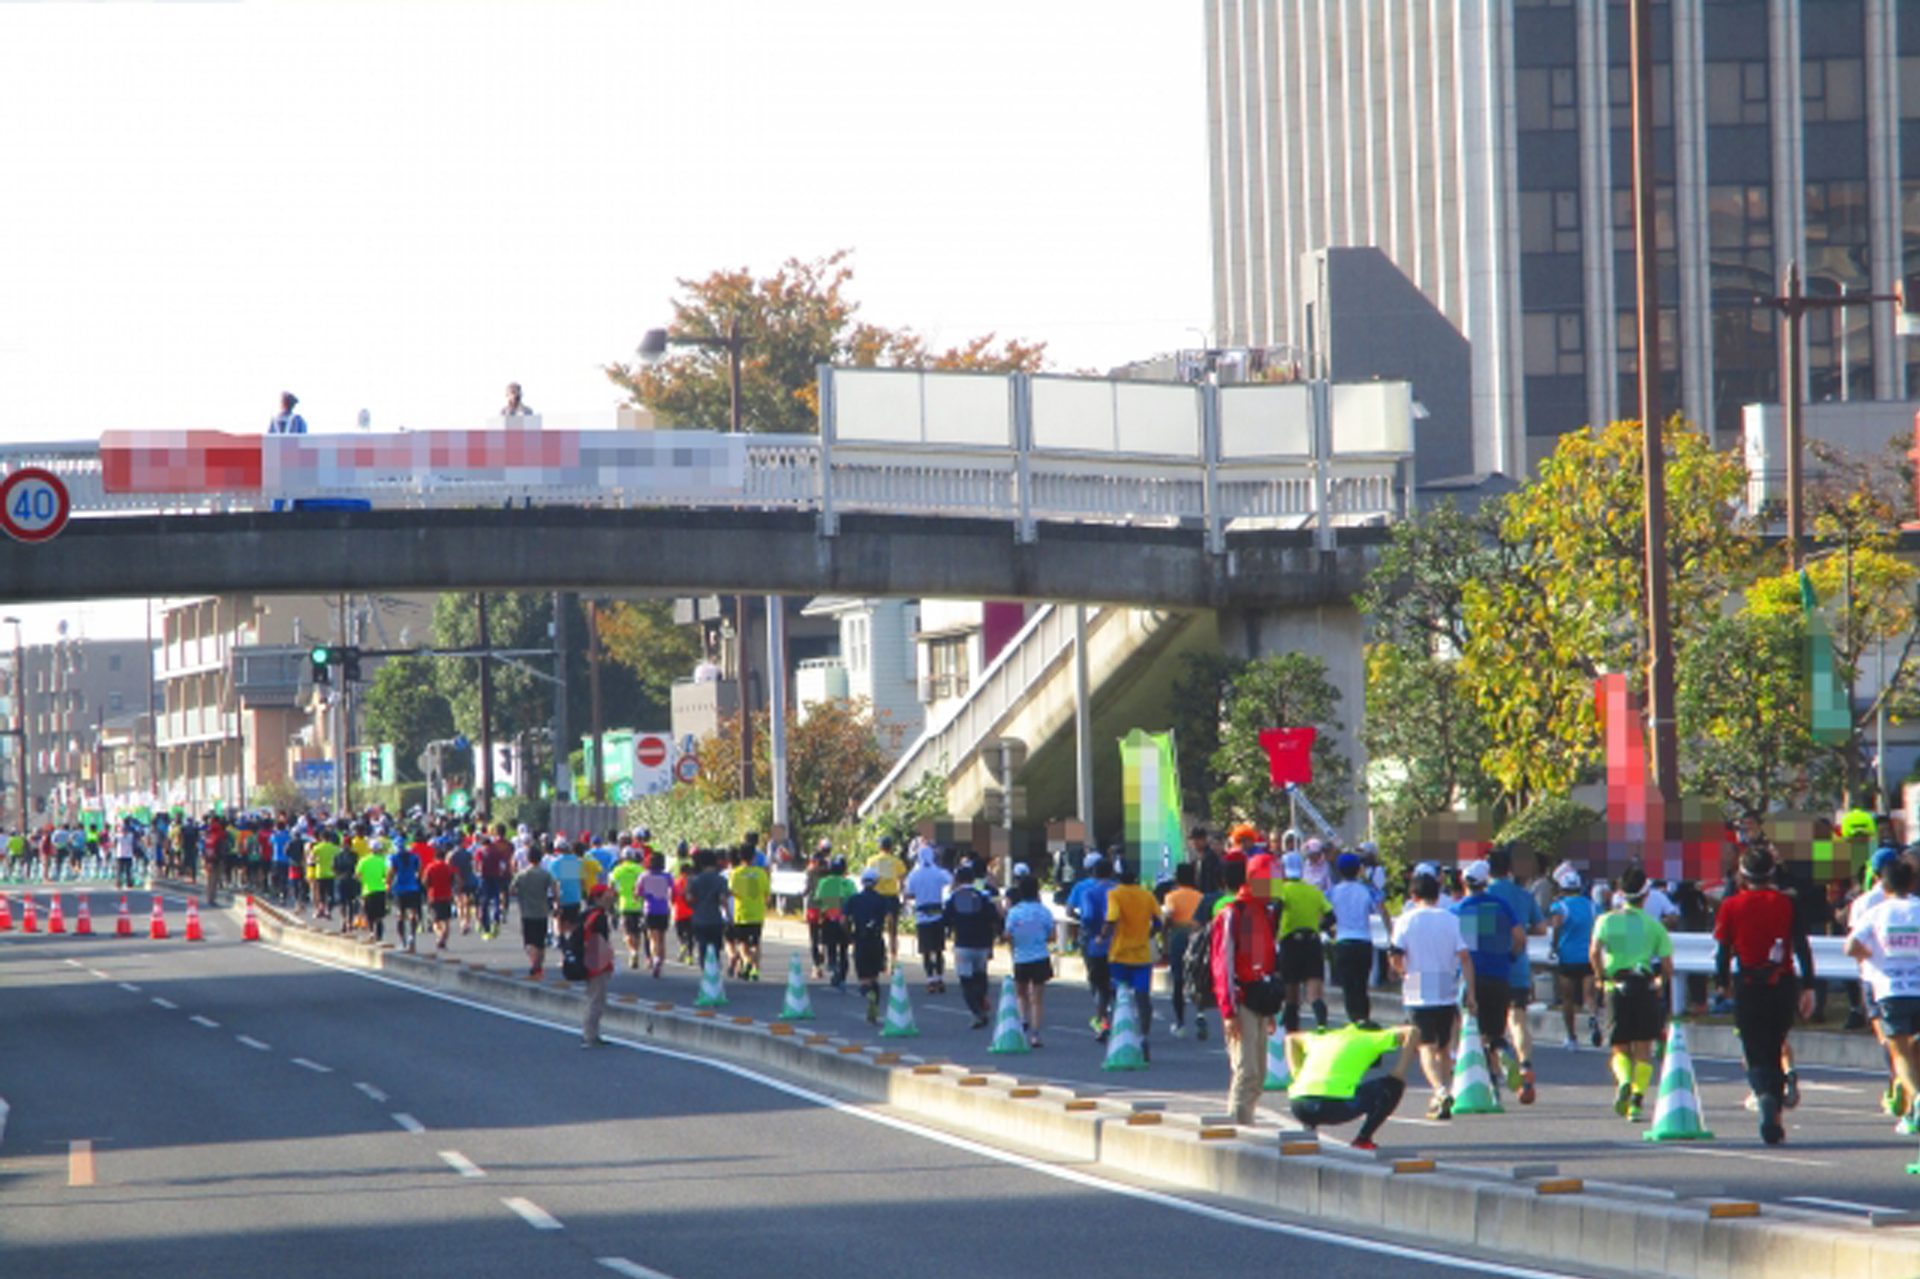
point(1279, 1075)
point(193, 921)
point(157, 930)
point(713, 993)
point(250, 928)
point(899, 1021)
point(83, 919)
point(798, 1006)
point(1009, 1036)
point(6, 915)
point(29, 919)
point(1124, 1049)
point(123, 927)
point(56, 921)
point(1677, 1115)
point(1473, 1092)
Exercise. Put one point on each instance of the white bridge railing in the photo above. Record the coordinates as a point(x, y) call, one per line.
point(1020, 448)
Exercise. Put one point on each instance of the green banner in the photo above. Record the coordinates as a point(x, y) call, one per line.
point(1150, 789)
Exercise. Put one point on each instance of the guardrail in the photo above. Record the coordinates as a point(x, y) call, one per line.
point(1020, 448)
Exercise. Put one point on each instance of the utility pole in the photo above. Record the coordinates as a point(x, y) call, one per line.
point(483, 773)
point(593, 696)
point(562, 773)
point(1660, 677)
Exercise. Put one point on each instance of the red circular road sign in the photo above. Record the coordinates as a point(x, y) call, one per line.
point(651, 751)
point(34, 504)
point(686, 768)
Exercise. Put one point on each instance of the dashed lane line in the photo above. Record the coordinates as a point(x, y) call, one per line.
point(462, 1165)
point(253, 1043)
point(408, 1122)
point(314, 1066)
point(371, 1091)
point(631, 1269)
point(165, 1003)
point(208, 1022)
point(533, 1214)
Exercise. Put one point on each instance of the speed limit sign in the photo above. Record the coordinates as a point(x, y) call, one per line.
point(686, 769)
point(34, 504)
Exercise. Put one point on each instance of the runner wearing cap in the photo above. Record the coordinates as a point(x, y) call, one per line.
point(1897, 1100)
point(1354, 904)
point(830, 897)
point(1758, 926)
point(1887, 944)
point(867, 914)
point(889, 871)
point(1634, 957)
point(1433, 961)
point(1571, 917)
point(1316, 870)
point(1304, 911)
point(1526, 910)
point(1088, 901)
point(1493, 938)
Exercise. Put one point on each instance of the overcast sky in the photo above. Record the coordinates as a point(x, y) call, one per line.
point(400, 206)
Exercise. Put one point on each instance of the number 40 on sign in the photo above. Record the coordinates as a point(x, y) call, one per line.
point(34, 504)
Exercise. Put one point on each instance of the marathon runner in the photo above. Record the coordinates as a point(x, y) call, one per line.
point(1634, 957)
point(1758, 926)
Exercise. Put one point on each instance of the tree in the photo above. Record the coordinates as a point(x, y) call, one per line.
point(642, 637)
point(404, 706)
point(1199, 705)
point(790, 322)
point(834, 759)
point(1745, 736)
point(1290, 690)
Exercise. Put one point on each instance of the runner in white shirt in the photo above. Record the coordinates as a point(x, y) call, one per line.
point(1431, 956)
point(1888, 939)
point(1896, 1099)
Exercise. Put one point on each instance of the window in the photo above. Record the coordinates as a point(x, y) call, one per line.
point(1736, 93)
point(1832, 89)
point(947, 668)
point(113, 662)
point(115, 702)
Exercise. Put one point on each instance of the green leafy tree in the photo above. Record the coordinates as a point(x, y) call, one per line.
point(1745, 736)
point(1199, 706)
point(790, 323)
point(1289, 690)
point(404, 705)
point(642, 637)
point(835, 758)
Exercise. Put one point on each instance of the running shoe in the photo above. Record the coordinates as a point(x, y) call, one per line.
point(1635, 1108)
point(1793, 1089)
point(1752, 1102)
point(1436, 1104)
point(1516, 1078)
point(1622, 1098)
point(1179, 1030)
point(1200, 1029)
point(873, 1006)
point(1772, 1131)
point(1527, 1093)
point(1446, 1106)
point(1593, 1030)
point(1909, 1124)
point(1889, 1100)
point(1362, 1143)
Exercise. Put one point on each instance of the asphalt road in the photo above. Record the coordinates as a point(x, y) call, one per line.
point(227, 1109)
point(1842, 1158)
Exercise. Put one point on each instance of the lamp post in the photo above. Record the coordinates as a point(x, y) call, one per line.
point(20, 719)
point(653, 348)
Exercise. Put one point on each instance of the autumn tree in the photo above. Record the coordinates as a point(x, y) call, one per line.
point(642, 637)
point(835, 757)
point(790, 322)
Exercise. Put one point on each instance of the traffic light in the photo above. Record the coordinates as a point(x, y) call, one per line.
point(350, 664)
point(322, 659)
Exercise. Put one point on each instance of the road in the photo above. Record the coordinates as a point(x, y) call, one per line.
point(230, 1109)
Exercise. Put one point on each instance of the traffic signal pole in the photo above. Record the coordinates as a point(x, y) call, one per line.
point(484, 804)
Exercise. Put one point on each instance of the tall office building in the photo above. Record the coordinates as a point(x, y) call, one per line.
point(1482, 145)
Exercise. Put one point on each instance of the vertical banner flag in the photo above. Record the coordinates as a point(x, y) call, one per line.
point(1832, 717)
point(1150, 787)
point(1289, 754)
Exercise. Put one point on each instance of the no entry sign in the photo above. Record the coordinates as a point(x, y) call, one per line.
point(650, 751)
point(34, 504)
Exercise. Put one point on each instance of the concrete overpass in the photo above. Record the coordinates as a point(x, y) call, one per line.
point(683, 550)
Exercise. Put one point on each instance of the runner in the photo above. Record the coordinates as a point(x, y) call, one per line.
point(1304, 911)
point(1436, 968)
point(1354, 904)
point(1634, 957)
point(975, 923)
point(1182, 906)
point(1526, 910)
point(533, 891)
point(346, 884)
point(750, 885)
point(1757, 925)
point(682, 908)
point(1338, 1077)
point(1133, 916)
point(403, 881)
point(868, 913)
point(1887, 944)
point(1029, 930)
point(816, 870)
point(1242, 964)
point(889, 870)
point(466, 879)
point(496, 874)
point(927, 889)
point(1493, 936)
point(439, 880)
point(1088, 901)
point(656, 897)
point(1897, 1100)
point(568, 887)
point(372, 872)
point(1571, 941)
point(707, 895)
point(625, 879)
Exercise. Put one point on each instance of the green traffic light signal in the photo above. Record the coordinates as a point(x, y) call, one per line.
point(321, 658)
point(322, 655)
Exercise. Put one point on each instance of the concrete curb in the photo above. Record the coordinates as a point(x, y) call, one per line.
point(1531, 1215)
point(5, 1110)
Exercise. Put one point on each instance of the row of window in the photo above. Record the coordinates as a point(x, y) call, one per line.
point(1832, 91)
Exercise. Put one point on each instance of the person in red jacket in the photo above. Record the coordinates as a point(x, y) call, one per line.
point(1757, 925)
point(600, 962)
point(1243, 955)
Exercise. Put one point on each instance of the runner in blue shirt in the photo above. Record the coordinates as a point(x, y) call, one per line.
point(1493, 936)
point(1526, 912)
point(1572, 914)
point(1092, 914)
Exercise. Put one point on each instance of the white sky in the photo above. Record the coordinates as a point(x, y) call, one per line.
point(400, 205)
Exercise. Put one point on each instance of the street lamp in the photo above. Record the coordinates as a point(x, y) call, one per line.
point(20, 717)
point(653, 349)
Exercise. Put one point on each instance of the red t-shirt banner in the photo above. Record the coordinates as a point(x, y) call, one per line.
point(1289, 754)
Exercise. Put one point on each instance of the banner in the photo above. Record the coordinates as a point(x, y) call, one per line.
point(1150, 788)
point(1289, 754)
point(1832, 718)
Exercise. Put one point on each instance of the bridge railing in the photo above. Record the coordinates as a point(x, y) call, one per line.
point(1025, 449)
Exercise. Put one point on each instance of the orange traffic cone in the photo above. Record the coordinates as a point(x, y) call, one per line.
point(193, 921)
point(83, 922)
point(124, 928)
point(250, 930)
point(157, 930)
point(6, 915)
point(29, 920)
point(56, 922)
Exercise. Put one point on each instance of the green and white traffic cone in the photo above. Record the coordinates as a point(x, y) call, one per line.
point(1677, 1115)
point(713, 993)
point(1124, 1048)
point(798, 1005)
point(1473, 1092)
point(899, 1020)
point(1278, 1073)
point(1008, 1034)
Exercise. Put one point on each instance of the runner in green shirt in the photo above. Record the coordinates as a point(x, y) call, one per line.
point(750, 885)
point(371, 871)
point(1337, 1076)
point(1634, 957)
point(320, 874)
point(625, 878)
point(830, 897)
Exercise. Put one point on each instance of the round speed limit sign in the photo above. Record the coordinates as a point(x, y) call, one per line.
point(33, 504)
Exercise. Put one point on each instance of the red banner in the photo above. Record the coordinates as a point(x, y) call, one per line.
point(1289, 754)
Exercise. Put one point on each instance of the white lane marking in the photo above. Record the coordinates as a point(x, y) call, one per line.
point(164, 1003)
point(1746, 1154)
point(314, 1066)
point(371, 1091)
point(1810, 1085)
point(1073, 1176)
point(208, 1022)
point(1844, 1205)
point(254, 1044)
point(462, 1165)
point(408, 1122)
point(95, 972)
point(73, 963)
point(533, 1214)
point(129, 987)
point(631, 1269)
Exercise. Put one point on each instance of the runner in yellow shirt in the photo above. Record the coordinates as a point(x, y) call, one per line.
point(1132, 917)
point(890, 869)
point(750, 885)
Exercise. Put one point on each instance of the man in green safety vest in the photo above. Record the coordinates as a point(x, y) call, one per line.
point(1343, 1074)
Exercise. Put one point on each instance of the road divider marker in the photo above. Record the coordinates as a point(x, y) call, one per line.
point(314, 1066)
point(129, 987)
point(533, 1214)
point(631, 1269)
point(462, 1165)
point(408, 1122)
point(371, 1091)
point(165, 1003)
point(80, 1163)
point(208, 1022)
point(253, 1043)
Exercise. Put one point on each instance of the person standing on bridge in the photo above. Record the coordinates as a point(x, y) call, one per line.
point(515, 406)
point(1758, 926)
point(287, 422)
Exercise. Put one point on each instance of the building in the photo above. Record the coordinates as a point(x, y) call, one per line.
point(75, 687)
point(1482, 145)
point(877, 662)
